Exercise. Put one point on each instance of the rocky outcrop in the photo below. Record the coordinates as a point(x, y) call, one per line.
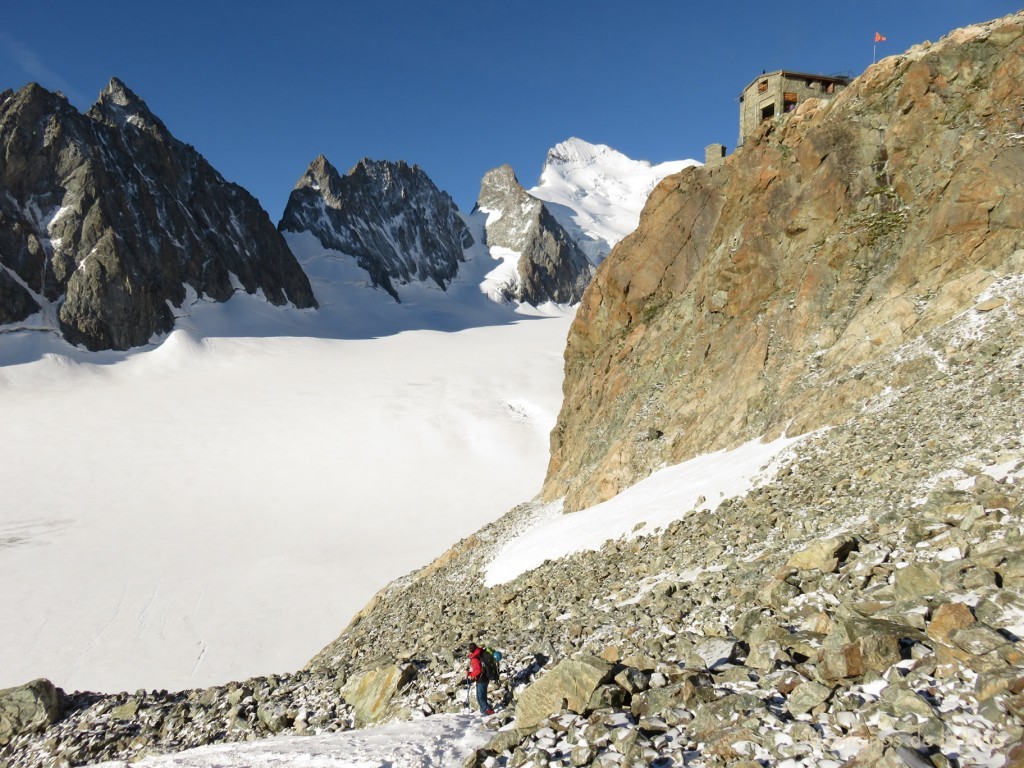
point(16, 302)
point(96, 727)
point(108, 217)
point(28, 708)
point(550, 266)
point(753, 294)
point(390, 217)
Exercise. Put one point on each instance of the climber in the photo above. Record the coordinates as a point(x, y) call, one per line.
point(478, 673)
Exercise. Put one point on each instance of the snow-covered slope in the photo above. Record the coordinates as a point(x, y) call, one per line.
point(597, 193)
point(427, 742)
point(654, 502)
point(432, 742)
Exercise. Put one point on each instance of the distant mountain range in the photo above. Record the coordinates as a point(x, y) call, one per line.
point(108, 223)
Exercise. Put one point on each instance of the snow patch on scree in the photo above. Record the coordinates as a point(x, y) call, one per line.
point(703, 482)
point(431, 742)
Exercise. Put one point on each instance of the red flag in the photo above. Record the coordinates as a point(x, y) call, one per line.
point(879, 38)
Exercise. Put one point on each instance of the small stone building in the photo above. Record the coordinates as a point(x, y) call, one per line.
point(775, 93)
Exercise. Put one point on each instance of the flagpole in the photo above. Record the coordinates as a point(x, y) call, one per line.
point(874, 52)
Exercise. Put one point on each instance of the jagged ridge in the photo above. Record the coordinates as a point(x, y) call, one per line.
point(390, 216)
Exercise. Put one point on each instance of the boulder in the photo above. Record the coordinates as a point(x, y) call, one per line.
point(505, 740)
point(730, 709)
point(570, 683)
point(633, 680)
point(946, 618)
point(917, 581)
point(977, 640)
point(28, 708)
point(688, 693)
point(807, 696)
point(372, 692)
point(608, 695)
point(1002, 610)
point(824, 555)
point(857, 646)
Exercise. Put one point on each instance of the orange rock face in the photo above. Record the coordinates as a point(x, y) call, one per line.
point(767, 294)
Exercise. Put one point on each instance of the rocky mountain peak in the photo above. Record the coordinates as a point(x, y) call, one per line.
point(393, 176)
point(319, 176)
point(121, 95)
point(121, 106)
point(497, 185)
point(550, 266)
point(389, 216)
point(32, 101)
point(108, 217)
point(597, 192)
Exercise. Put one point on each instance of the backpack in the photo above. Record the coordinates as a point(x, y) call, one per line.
point(489, 659)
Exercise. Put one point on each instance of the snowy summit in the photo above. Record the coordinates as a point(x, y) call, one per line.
point(597, 193)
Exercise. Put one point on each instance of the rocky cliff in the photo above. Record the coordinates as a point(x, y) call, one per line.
point(389, 216)
point(753, 295)
point(550, 265)
point(106, 217)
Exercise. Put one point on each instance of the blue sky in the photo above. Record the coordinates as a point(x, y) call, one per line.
point(261, 88)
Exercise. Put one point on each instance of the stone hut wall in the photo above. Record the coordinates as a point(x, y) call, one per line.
point(776, 93)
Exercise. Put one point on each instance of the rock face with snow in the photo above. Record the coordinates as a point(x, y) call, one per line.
point(389, 216)
point(106, 217)
point(596, 193)
point(753, 295)
point(550, 266)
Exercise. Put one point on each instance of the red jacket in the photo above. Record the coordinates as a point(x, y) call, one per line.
point(476, 669)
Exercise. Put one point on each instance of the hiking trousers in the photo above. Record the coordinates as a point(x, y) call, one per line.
point(481, 695)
